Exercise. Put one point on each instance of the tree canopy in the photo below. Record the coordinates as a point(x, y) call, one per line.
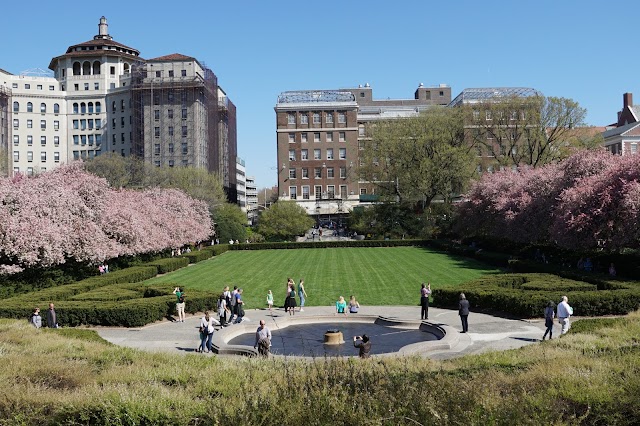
point(284, 220)
point(230, 222)
point(420, 158)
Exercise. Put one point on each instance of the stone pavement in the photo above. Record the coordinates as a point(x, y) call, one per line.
point(486, 332)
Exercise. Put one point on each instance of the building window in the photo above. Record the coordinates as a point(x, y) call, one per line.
point(316, 137)
point(156, 114)
point(304, 154)
point(304, 118)
point(16, 107)
point(329, 136)
point(170, 130)
point(90, 140)
point(361, 130)
point(16, 123)
point(184, 131)
point(292, 173)
point(342, 136)
point(184, 113)
point(292, 155)
point(170, 113)
point(170, 95)
point(56, 157)
point(342, 154)
point(292, 137)
point(90, 124)
point(343, 191)
point(83, 141)
point(303, 137)
point(329, 153)
point(76, 124)
point(98, 123)
point(156, 132)
point(122, 137)
point(185, 148)
point(305, 192)
point(43, 124)
point(43, 140)
point(156, 149)
point(39, 86)
point(317, 172)
point(291, 118)
point(29, 140)
point(488, 115)
point(16, 156)
point(30, 156)
point(170, 73)
point(343, 172)
point(29, 124)
point(27, 86)
point(293, 192)
point(43, 107)
point(170, 148)
point(331, 191)
point(329, 117)
point(16, 140)
point(316, 118)
point(634, 148)
point(83, 108)
point(113, 139)
point(29, 171)
point(29, 107)
point(330, 173)
point(56, 108)
point(183, 73)
point(98, 141)
point(43, 156)
point(317, 154)
point(305, 173)
point(342, 117)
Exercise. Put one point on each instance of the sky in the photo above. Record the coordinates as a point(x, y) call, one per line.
point(258, 49)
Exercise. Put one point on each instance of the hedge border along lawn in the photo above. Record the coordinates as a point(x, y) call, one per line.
point(526, 295)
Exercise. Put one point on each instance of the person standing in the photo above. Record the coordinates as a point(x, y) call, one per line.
point(52, 318)
point(549, 314)
point(425, 292)
point(270, 300)
point(291, 299)
point(180, 303)
point(263, 339)
point(240, 307)
point(206, 332)
point(564, 313)
point(222, 310)
point(301, 294)
point(463, 311)
point(35, 319)
point(363, 344)
point(234, 306)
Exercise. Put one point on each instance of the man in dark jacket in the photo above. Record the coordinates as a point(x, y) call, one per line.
point(463, 311)
point(363, 344)
point(52, 318)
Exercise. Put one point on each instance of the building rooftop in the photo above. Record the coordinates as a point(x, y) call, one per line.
point(477, 95)
point(315, 96)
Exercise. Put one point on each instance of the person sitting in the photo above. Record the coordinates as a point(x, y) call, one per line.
point(341, 306)
point(354, 306)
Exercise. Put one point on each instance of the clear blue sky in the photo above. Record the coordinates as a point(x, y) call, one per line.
point(576, 49)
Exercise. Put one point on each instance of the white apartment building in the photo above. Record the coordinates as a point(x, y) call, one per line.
point(241, 191)
point(252, 199)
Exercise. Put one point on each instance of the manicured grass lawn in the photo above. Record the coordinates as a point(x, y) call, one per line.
point(376, 276)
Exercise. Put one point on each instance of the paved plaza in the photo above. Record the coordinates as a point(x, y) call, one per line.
point(486, 332)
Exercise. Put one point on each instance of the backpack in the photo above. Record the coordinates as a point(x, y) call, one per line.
point(181, 299)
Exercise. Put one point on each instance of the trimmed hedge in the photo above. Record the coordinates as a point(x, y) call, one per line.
point(526, 295)
point(197, 256)
point(327, 244)
point(169, 264)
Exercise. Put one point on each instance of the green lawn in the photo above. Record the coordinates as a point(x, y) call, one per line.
point(376, 276)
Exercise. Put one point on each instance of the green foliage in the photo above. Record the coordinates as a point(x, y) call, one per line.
point(592, 325)
point(197, 256)
point(284, 221)
point(170, 264)
point(231, 223)
point(417, 159)
point(526, 295)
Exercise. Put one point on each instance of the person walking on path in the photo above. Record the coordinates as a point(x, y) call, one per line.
point(463, 311)
point(301, 294)
point(240, 307)
point(549, 314)
point(35, 319)
point(425, 292)
point(564, 313)
point(206, 332)
point(180, 303)
point(52, 317)
point(263, 339)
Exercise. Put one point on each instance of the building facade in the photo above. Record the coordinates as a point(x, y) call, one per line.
point(623, 136)
point(320, 134)
point(252, 199)
point(241, 189)
point(104, 97)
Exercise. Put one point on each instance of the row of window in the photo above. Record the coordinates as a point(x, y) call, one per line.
point(170, 73)
point(43, 156)
point(87, 140)
point(43, 124)
point(156, 114)
point(77, 155)
point(317, 172)
point(513, 115)
point(84, 108)
point(27, 86)
point(317, 137)
point(30, 171)
point(170, 148)
point(171, 163)
point(170, 97)
point(43, 107)
point(303, 117)
point(87, 124)
point(122, 122)
point(156, 131)
point(318, 193)
point(317, 154)
point(43, 140)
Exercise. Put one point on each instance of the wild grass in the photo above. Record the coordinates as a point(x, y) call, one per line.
point(590, 378)
point(380, 276)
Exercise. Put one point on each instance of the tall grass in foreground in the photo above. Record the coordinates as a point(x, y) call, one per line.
point(583, 378)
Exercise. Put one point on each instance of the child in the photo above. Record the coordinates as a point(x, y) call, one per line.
point(270, 300)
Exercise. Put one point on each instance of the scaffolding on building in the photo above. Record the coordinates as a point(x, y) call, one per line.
point(5, 163)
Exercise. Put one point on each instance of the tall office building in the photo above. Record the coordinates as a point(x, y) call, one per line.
point(104, 97)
